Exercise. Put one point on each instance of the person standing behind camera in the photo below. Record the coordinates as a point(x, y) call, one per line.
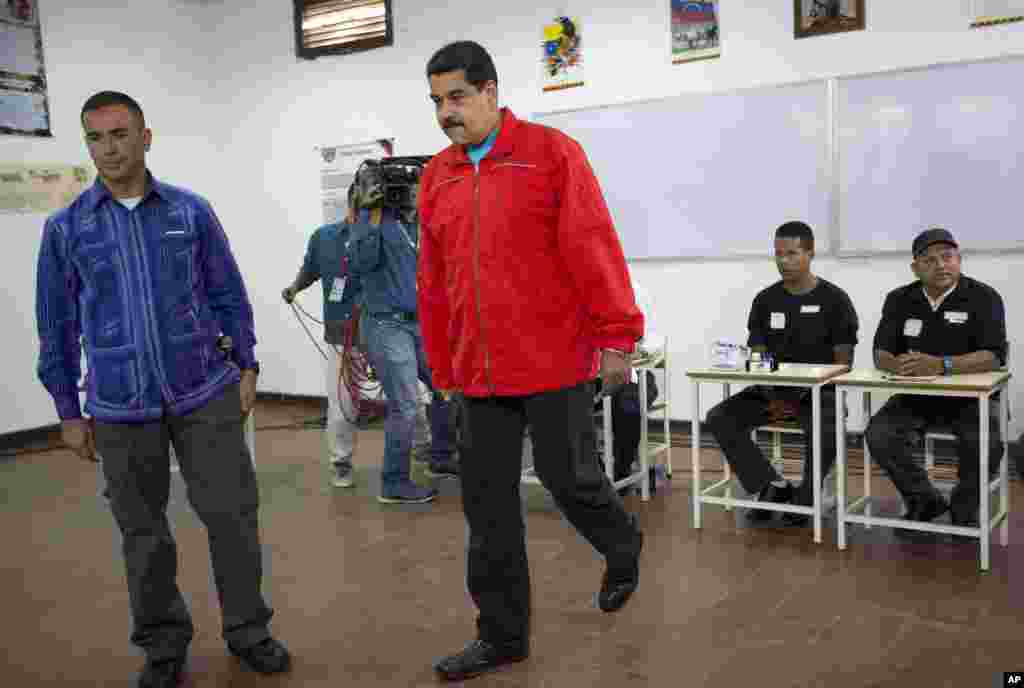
point(327, 262)
point(382, 254)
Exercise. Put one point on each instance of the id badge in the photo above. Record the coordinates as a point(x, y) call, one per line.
point(778, 321)
point(912, 327)
point(337, 290)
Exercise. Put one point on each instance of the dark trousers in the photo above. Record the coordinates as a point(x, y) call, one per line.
point(732, 421)
point(626, 419)
point(899, 427)
point(221, 485)
point(563, 435)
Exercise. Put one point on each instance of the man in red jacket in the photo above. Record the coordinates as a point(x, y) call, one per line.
point(524, 297)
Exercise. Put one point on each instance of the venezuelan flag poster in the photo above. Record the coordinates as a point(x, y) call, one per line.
point(562, 59)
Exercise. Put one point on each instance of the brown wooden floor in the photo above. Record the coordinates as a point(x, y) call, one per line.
point(368, 595)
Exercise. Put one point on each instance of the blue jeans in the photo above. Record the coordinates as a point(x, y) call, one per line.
point(395, 348)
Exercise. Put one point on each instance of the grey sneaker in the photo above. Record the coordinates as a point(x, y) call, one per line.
point(343, 475)
point(409, 493)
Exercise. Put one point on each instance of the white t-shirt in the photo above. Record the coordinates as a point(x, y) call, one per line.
point(130, 203)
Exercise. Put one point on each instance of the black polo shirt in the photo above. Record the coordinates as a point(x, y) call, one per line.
point(972, 318)
point(803, 328)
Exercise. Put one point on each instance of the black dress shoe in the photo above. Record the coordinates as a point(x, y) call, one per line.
point(478, 657)
point(964, 517)
point(266, 657)
point(925, 507)
point(162, 674)
point(620, 581)
point(775, 495)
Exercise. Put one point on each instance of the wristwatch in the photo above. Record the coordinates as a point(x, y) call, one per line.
point(947, 365)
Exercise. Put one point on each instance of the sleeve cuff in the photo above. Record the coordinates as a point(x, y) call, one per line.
point(623, 344)
point(246, 360)
point(68, 407)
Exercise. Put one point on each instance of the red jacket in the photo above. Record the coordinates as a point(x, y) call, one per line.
point(521, 277)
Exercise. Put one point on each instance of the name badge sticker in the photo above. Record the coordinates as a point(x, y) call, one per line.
point(337, 289)
point(813, 308)
point(956, 317)
point(912, 327)
point(778, 321)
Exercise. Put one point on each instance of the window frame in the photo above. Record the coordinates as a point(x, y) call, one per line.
point(362, 45)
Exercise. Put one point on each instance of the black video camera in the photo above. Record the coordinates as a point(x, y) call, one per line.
point(389, 182)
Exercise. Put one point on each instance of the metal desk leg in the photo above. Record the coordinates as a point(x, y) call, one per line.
point(985, 513)
point(645, 482)
point(841, 468)
point(726, 466)
point(695, 452)
point(867, 457)
point(816, 448)
point(1004, 469)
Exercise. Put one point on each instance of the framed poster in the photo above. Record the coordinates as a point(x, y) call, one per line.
point(995, 12)
point(562, 58)
point(694, 30)
point(818, 17)
point(24, 107)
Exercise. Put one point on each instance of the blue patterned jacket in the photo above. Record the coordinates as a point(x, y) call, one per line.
point(147, 291)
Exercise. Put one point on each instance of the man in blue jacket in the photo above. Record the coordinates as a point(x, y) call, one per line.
point(383, 253)
point(141, 272)
point(326, 261)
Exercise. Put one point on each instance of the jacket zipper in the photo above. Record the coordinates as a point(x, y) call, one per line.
point(476, 279)
point(147, 304)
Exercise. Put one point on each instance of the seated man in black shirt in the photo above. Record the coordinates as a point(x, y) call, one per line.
point(944, 323)
point(800, 319)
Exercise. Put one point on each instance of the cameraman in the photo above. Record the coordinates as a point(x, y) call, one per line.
point(382, 253)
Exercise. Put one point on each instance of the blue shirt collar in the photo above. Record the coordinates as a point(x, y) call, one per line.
point(98, 192)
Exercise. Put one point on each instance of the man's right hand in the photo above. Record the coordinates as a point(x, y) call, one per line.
point(288, 294)
point(79, 435)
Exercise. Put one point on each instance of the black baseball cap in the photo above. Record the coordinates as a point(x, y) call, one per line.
point(928, 237)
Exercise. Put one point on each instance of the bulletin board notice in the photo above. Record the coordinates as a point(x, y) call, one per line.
point(24, 108)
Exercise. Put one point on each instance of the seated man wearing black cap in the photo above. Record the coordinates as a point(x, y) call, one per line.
point(943, 324)
point(800, 319)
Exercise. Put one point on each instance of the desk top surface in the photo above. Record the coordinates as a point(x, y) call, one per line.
point(788, 373)
point(972, 382)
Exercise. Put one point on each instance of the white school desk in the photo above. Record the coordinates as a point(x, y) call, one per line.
point(810, 376)
point(980, 386)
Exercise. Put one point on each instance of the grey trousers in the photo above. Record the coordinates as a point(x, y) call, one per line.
point(221, 486)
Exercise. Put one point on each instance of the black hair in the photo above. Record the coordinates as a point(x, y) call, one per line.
point(797, 230)
point(465, 55)
point(107, 98)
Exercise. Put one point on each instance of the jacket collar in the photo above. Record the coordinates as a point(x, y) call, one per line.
point(503, 145)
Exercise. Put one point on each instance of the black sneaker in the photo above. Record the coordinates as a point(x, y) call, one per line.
point(479, 657)
point(774, 494)
point(162, 674)
point(926, 506)
point(410, 493)
point(266, 657)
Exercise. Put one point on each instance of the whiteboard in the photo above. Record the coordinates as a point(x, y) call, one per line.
point(936, 147)
point(704, 176)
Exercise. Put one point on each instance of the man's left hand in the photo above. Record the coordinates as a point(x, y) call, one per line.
point(918, 365)
point(614, 370)
point(247, 390)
